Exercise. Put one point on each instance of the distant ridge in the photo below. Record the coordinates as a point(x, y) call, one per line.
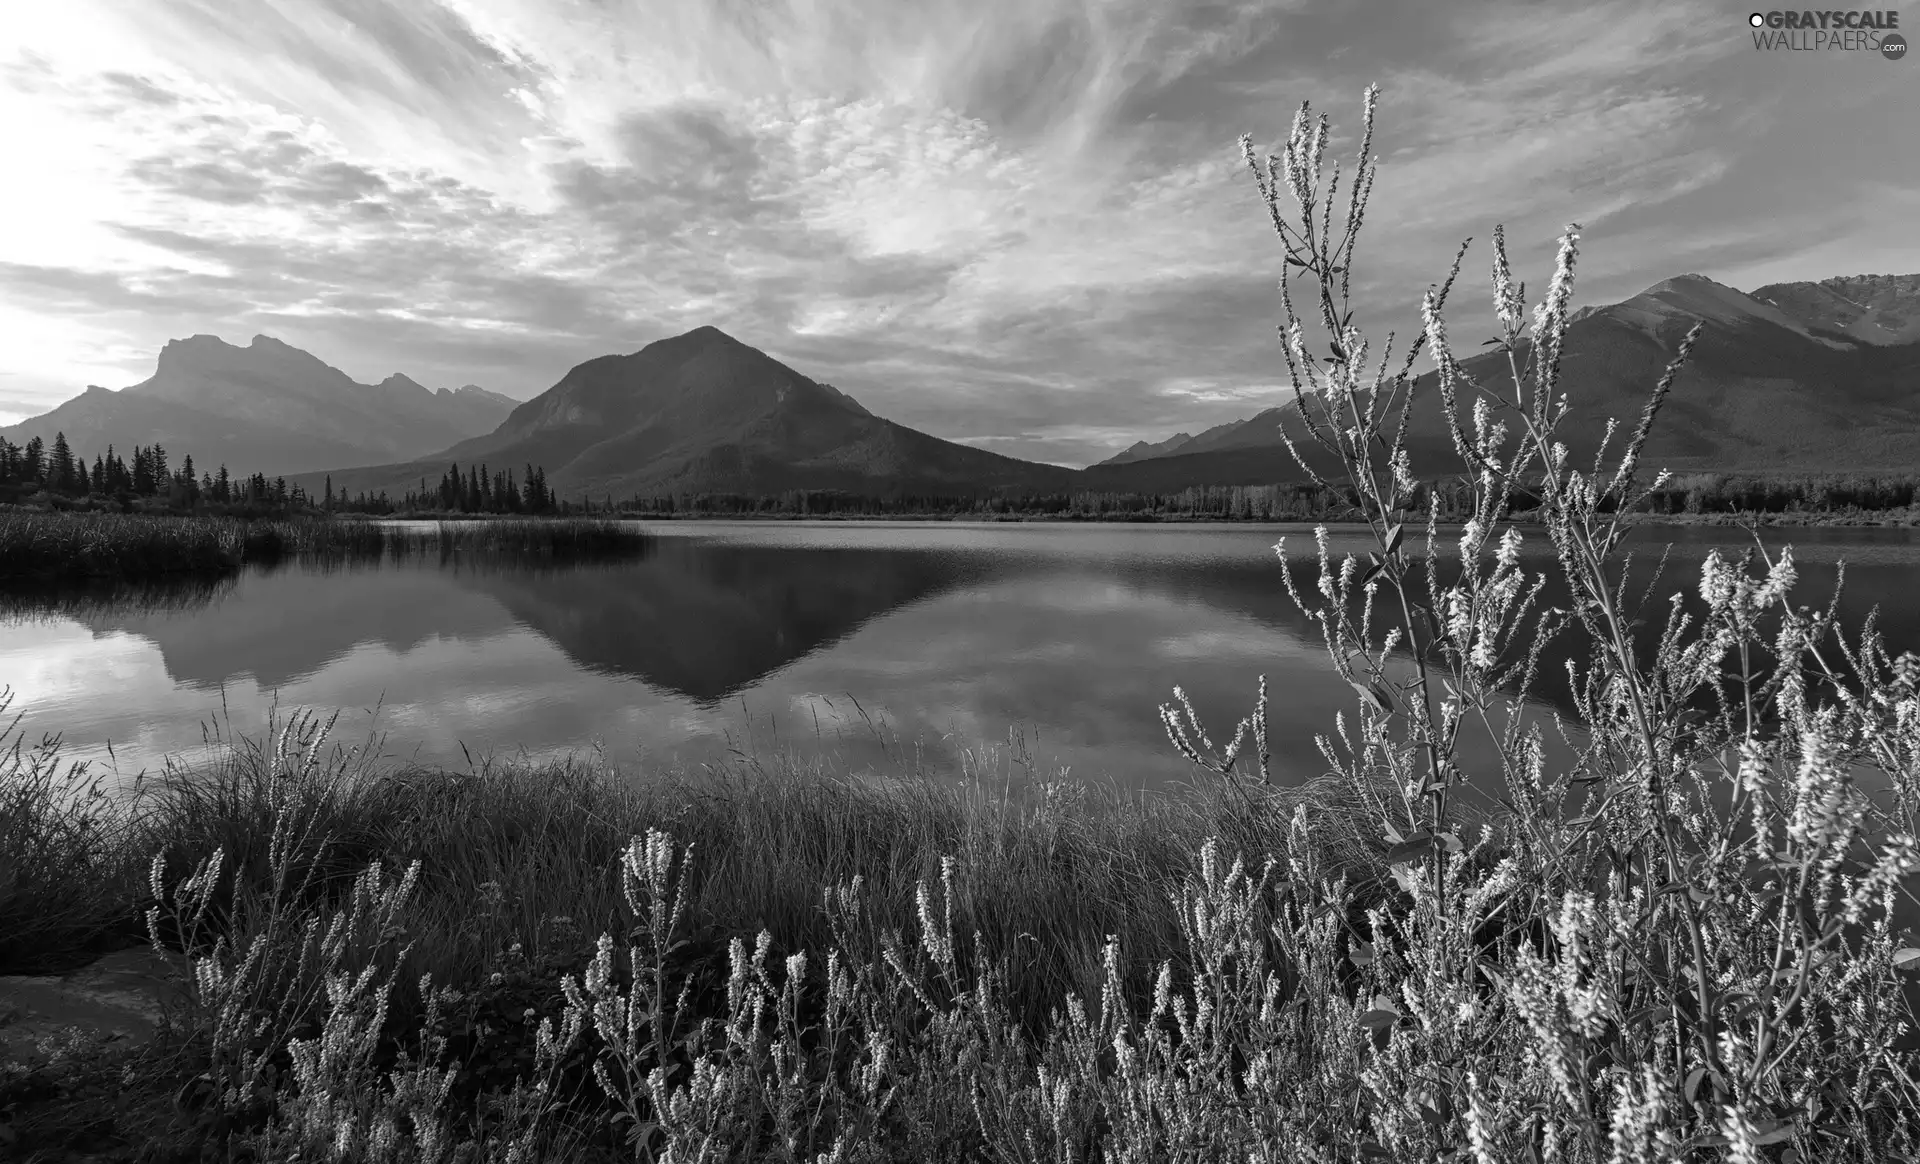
point(268, 407)
point(1798, 377)
point(1141, 450)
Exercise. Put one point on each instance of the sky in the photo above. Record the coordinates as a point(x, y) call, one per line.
point(1023, 225)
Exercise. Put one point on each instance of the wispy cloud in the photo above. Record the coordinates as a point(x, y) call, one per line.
point(1018, 223)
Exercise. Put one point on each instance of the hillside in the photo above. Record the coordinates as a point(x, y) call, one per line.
point(1774, 385)
point(704, 412)
point(1875, 309)
point(267, 407)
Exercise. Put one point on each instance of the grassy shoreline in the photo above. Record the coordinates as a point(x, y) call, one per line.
point(41, 548)
point(520, 869)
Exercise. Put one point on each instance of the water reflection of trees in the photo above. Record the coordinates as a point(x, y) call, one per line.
point(184, 594)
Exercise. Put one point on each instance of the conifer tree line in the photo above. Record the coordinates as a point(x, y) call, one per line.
point(57, 469)
point(146, 473)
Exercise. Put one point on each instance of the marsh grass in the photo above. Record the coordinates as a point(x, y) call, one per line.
point(1680, 946)
point(507, 869)
point(73, 547)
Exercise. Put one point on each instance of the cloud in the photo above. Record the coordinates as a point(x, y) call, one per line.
point(1018, 223)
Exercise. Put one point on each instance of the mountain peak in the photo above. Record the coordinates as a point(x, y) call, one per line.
point(1690, 282)
point(1147, 450)
point(703, 338)
point(198, 342)
point(1695, 298)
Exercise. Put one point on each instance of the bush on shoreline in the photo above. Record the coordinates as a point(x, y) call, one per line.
point(1685, 947)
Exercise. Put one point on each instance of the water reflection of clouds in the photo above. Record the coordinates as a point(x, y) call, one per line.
point(1051, 633)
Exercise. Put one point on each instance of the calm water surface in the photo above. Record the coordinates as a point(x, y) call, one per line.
point(857, 641)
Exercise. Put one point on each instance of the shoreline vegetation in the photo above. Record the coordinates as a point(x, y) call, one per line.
point(39, 548)
point(35, 477)
point(1692, 944)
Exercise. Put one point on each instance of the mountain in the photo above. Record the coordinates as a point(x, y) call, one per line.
point(268, 407)
point(1801, 377)
point(703, 412)
point(478, 393)
point(1141, 450)
point(1875, 309)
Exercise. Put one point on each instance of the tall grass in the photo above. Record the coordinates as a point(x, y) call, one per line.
point(1681, 947)
point(68, 547)
point(508, 885)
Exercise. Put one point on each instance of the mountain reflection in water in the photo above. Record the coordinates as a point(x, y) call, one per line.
point(856, 640)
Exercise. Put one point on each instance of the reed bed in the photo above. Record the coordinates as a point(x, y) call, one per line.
point(76, 547)
point(1684, 945)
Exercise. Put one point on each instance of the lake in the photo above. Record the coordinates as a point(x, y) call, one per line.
point(867, 644)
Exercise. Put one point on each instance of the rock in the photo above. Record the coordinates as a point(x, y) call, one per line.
point(117, 1000)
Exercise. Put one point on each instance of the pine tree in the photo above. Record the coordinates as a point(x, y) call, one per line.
point(60, 465)
point(33, 464)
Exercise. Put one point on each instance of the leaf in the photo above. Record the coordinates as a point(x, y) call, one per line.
point(1775, 1132)
point(1369, 695)
point(1393, 537)
point(1907, 958)
point(1362, 954)
point(1415, 846)
point(1372, 1151)
point(1693, 1082)
point(1379, 1020)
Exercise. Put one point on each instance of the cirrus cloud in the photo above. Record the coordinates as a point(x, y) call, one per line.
point(1017, 223)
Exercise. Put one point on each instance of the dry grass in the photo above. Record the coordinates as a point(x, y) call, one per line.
point(512, 881)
